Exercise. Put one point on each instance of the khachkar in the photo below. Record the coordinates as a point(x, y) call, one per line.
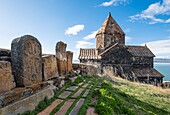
point(26, 57)
point(61, 57)
point(6, 77)
point(69, 60)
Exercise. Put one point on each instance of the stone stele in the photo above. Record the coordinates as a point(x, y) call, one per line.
point(61, 57)
point(6, 77)
point(26, 54)
point(50, 69)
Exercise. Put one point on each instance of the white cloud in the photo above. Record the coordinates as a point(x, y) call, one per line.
point(160, 47)
point(76, 54)
point(114, 2)
point(90, 36)
point(127, 39)
point(74, 29)
point(150, 14)
point(83, 44)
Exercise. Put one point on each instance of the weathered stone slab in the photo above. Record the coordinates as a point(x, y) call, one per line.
point(90, 86)
point(77, 93)
point(80, 84)
point(50, 69)
point(69, 55)
point(48, 110)
point(6, 77)
point(86, 93)
point(64, 95)
point(91, 111)
point(27, 104)
point(96, 89)
point(77, 107)
point(73, 78)
point(26, 57)
point(84, 86)
point(65, 107)
point(72, 88)
point(61, 57)
point(89, 81)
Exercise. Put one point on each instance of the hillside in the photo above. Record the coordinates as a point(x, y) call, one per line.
point(119, 96)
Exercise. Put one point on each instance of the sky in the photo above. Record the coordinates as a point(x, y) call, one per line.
point(76, 22)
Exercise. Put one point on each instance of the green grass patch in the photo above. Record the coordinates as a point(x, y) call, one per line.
point(125, 98)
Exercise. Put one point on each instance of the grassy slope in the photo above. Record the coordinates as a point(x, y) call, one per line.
point(119, 96)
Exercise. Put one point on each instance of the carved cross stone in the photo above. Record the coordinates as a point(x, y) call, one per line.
point(26, 60)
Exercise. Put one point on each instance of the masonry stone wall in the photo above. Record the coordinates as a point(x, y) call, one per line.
point(6, 77)
point(26, 57)
point(50, 69)
point(87, 69)
point(5, 55)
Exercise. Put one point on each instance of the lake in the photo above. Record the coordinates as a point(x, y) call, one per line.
point(163, 68)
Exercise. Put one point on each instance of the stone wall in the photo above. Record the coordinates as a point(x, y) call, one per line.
point(26, 57)
point(6, 77)
point(87, 69)
point(50, 69)
point(5, 55)
point(27, 104)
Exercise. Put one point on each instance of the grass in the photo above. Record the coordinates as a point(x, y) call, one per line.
point(119, 96)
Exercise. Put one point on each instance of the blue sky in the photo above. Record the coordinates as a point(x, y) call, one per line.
point(76, 22)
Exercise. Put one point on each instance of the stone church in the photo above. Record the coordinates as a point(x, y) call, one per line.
point(131, 62)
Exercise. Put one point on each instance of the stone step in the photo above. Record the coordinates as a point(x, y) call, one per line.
point(64, 95)
point(84, 86)
point(65, 107)
point(96, 89)
point(77, 93)
point(72, 88)
point(86, 93)
point(48, 110)
point(80, 84)
point(90, 86)
point(91, 111)
point(77, 107)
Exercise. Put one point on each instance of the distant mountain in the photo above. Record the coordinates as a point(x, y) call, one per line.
point(162, 60)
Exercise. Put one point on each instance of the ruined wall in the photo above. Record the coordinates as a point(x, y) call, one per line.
point(87, 69)
point(50, 69)
point(6, 77)
point(5, 55)
point(26, 57)
point(61, 57)
point(69, 60)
